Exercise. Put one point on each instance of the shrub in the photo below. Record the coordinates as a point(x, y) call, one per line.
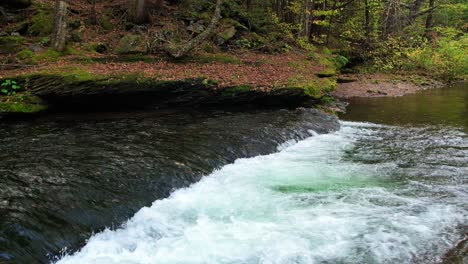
point(9, 87)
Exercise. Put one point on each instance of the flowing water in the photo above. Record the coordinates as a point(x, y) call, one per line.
point(390, 191)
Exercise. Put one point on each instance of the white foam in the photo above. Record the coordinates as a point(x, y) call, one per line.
point(301, 205)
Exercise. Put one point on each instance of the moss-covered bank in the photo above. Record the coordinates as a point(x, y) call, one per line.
point(85, 92)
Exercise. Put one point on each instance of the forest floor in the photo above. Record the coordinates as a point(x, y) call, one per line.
point(260, 71)
point(380, 85)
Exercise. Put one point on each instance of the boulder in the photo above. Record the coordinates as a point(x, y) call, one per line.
point(128, 44)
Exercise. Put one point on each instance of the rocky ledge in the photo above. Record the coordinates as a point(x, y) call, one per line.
point(89, 93)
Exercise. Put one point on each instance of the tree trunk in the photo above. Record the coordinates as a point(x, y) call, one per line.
point(60, 25)
point(181, 51)
point(367, 21)
point(139, 11)
point(93, 16)
point(429, 19)
point(414, 11)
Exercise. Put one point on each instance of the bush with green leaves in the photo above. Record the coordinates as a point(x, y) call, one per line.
point(9, 87)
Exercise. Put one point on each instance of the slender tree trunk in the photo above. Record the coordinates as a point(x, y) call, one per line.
point(60, 25)
point(139, 11)
point(93, 16)
point(367, 21)
point(429, 19)
point(179, 52)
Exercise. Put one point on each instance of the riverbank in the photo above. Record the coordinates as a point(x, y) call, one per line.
point(203, 80)
point(382, 85)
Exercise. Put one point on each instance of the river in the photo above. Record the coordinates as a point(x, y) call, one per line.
point(389, 186)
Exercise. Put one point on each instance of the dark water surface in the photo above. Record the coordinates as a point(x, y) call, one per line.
point(391, 191)
point(63, 177)
point(439, 107)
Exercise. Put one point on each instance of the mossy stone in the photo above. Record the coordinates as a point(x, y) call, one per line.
point(128, 44)
point(25, 54)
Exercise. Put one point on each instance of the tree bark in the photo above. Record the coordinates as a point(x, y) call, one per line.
point(414, 11)
point(60, 25)
point(139, 11)
point(181, 51)
point(429, 19)
point(367, 20)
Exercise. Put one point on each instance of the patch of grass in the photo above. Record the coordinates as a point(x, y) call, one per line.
point(50, 55)
point(25, 54)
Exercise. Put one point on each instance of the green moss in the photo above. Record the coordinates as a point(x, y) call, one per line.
point(128, 44)
point(22, 103)
point(21, 107)
point(316, 88)
point(106, 24)
point(49, 55)
point(11, 44)
point(236, 90)
point(42, 24)
point(326, 73)
point(25, 54)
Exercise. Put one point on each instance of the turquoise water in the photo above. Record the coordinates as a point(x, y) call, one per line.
point(366, 194)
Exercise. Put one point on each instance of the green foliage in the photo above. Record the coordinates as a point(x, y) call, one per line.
point(340, 61)
point(44, 41)
point(447, 60)
point(9, 87)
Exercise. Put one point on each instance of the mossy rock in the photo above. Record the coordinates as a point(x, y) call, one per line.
point(22, 103)
point(225, 35)
point(106, 24)
point(326, 74)
point(128, 44)
point(25, 54)
point(42, 24)
point(10, 44)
